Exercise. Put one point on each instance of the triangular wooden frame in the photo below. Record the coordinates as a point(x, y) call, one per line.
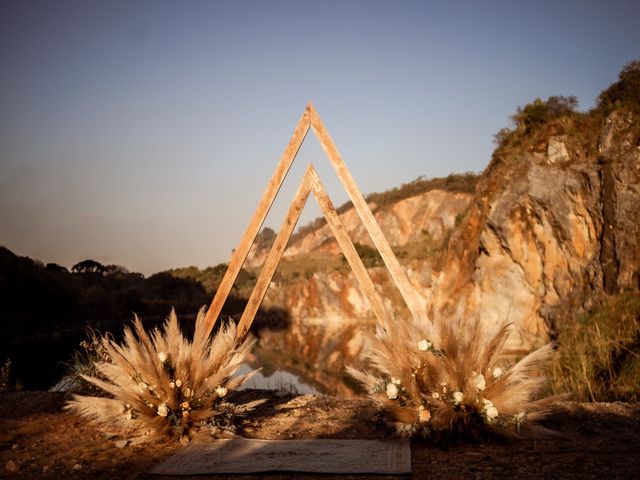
point(311, 183)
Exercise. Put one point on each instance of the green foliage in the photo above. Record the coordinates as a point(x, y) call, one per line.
point(625, 92)
point(456, 182)
point(210, 278)
point(539, 112)
point(370, 256)
point(598, 357)
point(265, 238)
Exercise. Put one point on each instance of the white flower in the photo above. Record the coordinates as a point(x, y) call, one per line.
point(423, 414)
point(489, 409)
point(142, 386)
point(178, 383)
point(435, 395)
point(162, 356)
point(392, 391)
point(187, 392)
point(478, 381)
point(395, 380)
point(519, 419)
point(457, 397)
point(172, 384)
point(184, 405)
point(163, 410)
point(221, 391)
point(492, 412)
point(497, 373)
point(424, 345)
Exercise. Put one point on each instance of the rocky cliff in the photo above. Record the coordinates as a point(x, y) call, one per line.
point(547, 235)
point(551, 229)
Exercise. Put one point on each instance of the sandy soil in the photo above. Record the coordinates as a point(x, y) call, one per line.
point(39, 440)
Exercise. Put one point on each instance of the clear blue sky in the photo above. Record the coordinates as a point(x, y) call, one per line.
point(143, 133)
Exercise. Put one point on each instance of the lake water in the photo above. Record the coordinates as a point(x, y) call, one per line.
point(278, 380)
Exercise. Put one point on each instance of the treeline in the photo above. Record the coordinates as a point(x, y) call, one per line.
point(46, 309)
point(47, 300)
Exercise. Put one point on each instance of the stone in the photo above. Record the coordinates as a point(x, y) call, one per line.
point(557, 150)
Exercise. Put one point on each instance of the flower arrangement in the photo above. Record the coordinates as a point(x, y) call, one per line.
point(164, 385)
point(438, 379)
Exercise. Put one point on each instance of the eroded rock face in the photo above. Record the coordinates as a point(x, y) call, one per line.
point(432, 213)
point(544, 244)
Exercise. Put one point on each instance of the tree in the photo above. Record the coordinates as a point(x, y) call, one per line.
point(626, 91)
point(54, 267)
point(88, 266)
point(540, 112)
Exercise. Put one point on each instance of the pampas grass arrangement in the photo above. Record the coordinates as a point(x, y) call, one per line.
point(162, 385)
point(438, 380)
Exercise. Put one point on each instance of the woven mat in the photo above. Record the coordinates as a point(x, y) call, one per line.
point(241, 455)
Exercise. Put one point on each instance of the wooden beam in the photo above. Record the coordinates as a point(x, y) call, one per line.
point(349, 251)
point(274, 257)
point(373, 228)
point(239, 256)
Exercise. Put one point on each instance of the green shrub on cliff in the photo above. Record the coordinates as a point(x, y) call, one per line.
point(625, 93)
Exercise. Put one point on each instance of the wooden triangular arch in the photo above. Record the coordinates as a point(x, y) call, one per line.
point(311, 183)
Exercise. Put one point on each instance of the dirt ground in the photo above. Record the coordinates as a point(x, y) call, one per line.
point(39, 440)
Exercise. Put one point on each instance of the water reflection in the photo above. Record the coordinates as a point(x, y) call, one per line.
point(276, 379)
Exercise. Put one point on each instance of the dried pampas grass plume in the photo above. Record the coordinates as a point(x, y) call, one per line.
point(437, 379)
point(163, 385)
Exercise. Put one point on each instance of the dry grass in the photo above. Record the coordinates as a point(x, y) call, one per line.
point(598, 357)
point(437, 379)
point(162, 385)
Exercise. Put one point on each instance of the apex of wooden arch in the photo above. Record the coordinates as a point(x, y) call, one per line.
point(311, 183)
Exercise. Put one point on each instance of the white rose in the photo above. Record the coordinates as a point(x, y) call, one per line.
point(395, 380)
point(163, 410)
point(178, 383)
point(479, 381)
point(497, 373)
point(457, 397)
point(392, 391)
point(172, 384)
point(435, 395)
point(221, 391)
point(162, 356)
point(492, 412)
point(424, 345)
